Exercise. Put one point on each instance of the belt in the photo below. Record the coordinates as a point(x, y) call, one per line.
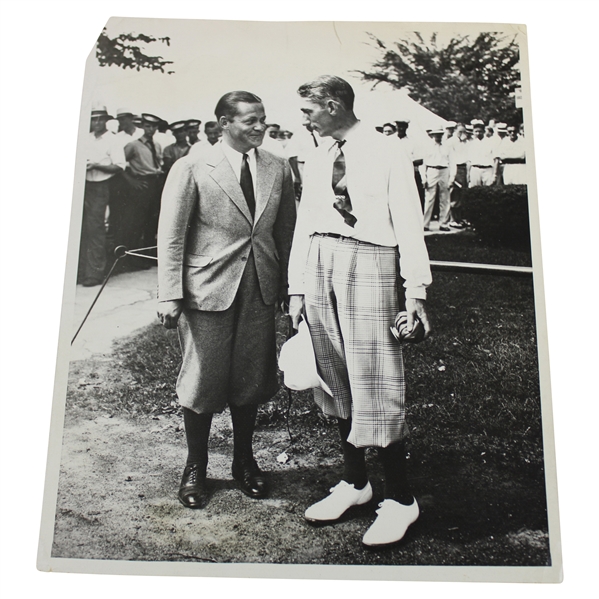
point(150, 176)
point(437, 167)
point(335, 236)
point(482, 166)
point(513, 160)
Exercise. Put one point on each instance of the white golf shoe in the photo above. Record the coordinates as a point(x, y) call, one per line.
point(391, 523)
point(342, 497)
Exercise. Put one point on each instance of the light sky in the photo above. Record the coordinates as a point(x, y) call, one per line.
point(269, 59)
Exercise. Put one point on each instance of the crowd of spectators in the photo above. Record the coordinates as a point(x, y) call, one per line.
point(458, 156)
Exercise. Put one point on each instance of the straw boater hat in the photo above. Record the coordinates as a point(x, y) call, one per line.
point(178, 125)
point(451, 125)
point(477, 123)
point(193, 123)
point(100, 110)
point(123, 112)
point(150, 118)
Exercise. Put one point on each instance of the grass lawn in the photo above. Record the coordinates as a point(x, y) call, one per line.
point(476, 448)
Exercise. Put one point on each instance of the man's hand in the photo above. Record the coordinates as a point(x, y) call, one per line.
point(169, 312)
point(416, 309)
point(296, 309)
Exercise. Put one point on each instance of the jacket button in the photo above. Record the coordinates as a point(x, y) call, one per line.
point(243, 258)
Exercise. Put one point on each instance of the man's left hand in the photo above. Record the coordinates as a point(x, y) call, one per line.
point(416, 309)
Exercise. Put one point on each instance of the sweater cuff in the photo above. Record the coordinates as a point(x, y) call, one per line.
point(416, 293)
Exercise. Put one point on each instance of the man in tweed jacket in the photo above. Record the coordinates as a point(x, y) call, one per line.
point(359, 234)
point(224, 238)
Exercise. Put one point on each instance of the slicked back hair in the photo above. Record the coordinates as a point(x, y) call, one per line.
point(328, 87)
point(227, 105)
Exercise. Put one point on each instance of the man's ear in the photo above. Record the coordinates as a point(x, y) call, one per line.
point(223, 122)
point(332, 107)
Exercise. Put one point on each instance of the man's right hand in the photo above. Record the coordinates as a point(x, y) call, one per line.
point(169, 312)
point(296, 309)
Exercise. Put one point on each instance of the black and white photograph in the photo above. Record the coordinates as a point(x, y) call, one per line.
point(302, 316)
point(303, 327)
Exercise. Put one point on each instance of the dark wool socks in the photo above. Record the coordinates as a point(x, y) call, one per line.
point(197, 431)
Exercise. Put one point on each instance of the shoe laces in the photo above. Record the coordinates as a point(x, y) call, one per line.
point(193, 476)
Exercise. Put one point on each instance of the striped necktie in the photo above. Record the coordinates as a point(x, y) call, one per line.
point(342, 201)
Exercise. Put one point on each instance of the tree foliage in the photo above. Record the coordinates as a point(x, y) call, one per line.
point(126, 51)
point(459, 80)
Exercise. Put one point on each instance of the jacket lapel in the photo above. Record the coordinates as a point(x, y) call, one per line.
point(223, 175)
point(266, 178)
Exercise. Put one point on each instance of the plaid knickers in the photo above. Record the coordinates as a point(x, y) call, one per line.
point(351, 301)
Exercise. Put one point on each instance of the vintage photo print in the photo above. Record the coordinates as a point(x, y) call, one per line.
point(303, 329)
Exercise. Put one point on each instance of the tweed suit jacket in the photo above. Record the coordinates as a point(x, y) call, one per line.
point(206, 231)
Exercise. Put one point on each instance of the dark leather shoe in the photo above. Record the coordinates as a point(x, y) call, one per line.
point(193, 492)
point(250, 478)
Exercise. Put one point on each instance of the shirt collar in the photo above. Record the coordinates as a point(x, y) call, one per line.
point(234, 157)
point(229, 151)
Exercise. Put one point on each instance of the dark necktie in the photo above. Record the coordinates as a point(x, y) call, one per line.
point(247, 185)
point(150, 143)
point(342, 202)
point(314, 139)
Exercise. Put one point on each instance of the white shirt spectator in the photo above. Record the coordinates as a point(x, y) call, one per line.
point(481, 152)
point(105, 150)
point(460, 151)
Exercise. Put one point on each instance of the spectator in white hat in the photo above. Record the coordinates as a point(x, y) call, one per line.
point(511, 158)
point(105, 159)
point(438, 167)
point(127, 130)
point(481, 157)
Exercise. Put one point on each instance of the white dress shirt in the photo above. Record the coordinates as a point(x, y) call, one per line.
point(481, 152)
point(235, 159)
point(104, 150)
point(460, 150)
point(384, 198)
point(511, 149)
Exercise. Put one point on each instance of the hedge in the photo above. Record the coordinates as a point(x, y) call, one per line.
point(499, 214)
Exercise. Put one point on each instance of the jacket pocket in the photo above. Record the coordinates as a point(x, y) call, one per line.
point(197, 261)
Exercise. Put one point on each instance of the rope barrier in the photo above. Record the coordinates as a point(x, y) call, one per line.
point(120, 252)
point(481, 269)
